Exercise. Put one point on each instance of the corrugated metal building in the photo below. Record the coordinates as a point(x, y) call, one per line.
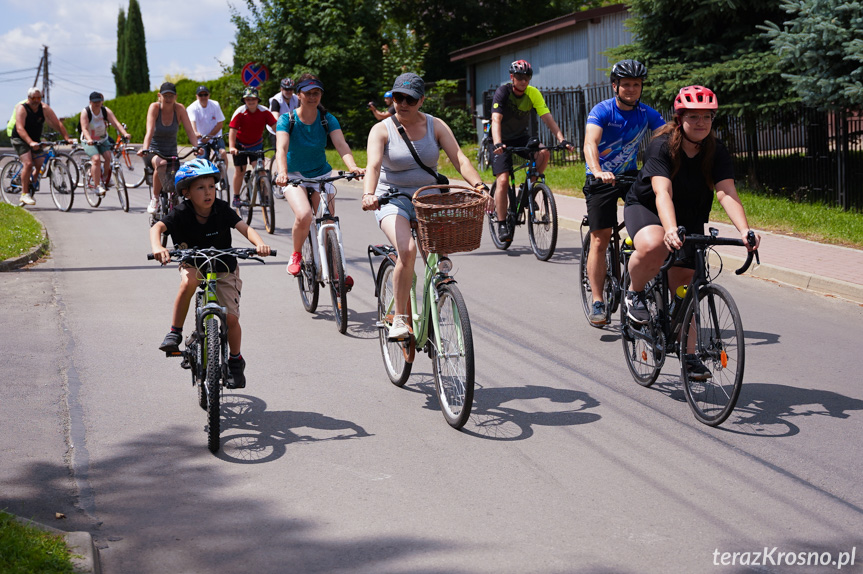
point(565, 52)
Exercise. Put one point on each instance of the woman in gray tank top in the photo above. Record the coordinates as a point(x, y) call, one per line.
point(162, 137)
point(390, 163)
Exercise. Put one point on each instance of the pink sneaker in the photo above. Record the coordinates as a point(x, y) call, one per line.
point(294, 265)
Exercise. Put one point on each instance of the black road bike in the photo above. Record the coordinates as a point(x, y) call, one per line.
point(702, 326)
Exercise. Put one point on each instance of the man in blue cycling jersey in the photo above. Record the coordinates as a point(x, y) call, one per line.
point(614, 131)
point(510, 126)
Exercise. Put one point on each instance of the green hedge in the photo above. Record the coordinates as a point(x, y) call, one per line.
point(132, 110)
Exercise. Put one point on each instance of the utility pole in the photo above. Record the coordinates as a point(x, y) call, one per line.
point(46, 84)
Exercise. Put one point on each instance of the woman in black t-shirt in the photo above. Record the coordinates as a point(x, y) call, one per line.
point(683, 166)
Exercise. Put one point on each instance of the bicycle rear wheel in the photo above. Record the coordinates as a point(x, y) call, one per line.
point(492, 225)
point(10, 181)
point(609, 288)
point(643, 345)
point(308, 277)
point(122, 191)
point(338, 287)
point(453, 362)
point(213, 383)
point(133, 165)
point(714, 323)
point(542, 222)
point(397, 368)
point(268, 204)
point(483, 158)
point(91, 193)
point(62, 187)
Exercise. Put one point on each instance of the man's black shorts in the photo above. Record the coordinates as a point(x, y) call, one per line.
point(601, 199)
point(502, 163)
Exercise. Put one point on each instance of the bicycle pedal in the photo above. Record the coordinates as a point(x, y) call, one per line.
point(173, 353)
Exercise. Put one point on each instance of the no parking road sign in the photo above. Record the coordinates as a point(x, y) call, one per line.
point(254, 74)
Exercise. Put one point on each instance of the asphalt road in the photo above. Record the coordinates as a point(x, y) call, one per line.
point(566, 465)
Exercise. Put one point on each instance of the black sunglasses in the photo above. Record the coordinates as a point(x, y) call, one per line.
point(399, 98)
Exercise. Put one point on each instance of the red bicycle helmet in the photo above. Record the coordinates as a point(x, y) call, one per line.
point(695, 98)
point(521, 67)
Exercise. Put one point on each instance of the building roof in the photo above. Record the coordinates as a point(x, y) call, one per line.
point(561, 23)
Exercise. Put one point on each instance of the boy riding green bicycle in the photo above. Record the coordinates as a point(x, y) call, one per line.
point(203, 220)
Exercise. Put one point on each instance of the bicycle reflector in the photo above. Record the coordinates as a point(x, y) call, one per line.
point(444, 265)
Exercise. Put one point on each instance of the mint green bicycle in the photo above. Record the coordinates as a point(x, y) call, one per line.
point(441, 324)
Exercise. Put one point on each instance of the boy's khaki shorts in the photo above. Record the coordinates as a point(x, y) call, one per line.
point(228, 287)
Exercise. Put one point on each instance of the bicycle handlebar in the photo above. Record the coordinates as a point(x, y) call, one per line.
point(712, 240)
point(238, 252)
point(539, 147)
point(170, 157)
point(348, 175)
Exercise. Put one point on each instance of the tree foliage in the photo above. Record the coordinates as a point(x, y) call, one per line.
point(821, 48)
point(131, 72)
point(338, 40)
point(715, 43)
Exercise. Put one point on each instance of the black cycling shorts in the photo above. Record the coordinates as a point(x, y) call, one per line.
point(601, 199)
point(501, 163)
point(638, 217)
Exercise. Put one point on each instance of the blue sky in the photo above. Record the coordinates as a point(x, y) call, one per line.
point(191, 38)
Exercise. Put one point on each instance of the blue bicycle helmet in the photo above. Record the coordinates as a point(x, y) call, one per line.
point(388, 95)
point(192, 170)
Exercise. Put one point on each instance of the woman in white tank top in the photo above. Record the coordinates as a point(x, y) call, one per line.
point(390, 163)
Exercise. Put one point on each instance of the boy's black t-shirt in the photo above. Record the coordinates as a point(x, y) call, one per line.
point(692, 197)
point(186, 232)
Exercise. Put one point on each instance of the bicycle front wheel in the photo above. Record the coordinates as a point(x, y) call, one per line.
point(492, 225)
point(609, 296)
point(72, 166)
point(91, 193)
point(714, 333)
point(80, 157)
point(338, 287)
point(214, 383)
point(452, 363)
point(10, 181)
point(248, 199)
point(268, 204)
point(643, 345)
point(62, 187)
point(542, 222)
point(393, 352)
point(122, 191)
point(483, 159)
point(308, 277)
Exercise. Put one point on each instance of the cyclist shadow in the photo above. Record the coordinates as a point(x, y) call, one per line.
point(769, 409)
point(360, 325)
point(252, 435)
point(493, 419)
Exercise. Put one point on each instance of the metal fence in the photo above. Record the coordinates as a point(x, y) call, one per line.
point(801, 153)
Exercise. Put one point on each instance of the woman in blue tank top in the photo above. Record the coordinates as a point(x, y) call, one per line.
point(390, 163)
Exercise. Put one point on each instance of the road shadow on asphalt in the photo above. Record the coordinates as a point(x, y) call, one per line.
point(771, 410)
point(512, 413)
point(253, 435)
point(561, 254)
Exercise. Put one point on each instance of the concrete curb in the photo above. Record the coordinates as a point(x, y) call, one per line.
point(792, 277)
point(85, 555)
point(34, 254)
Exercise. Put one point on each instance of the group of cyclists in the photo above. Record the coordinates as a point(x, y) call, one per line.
point(684, 165)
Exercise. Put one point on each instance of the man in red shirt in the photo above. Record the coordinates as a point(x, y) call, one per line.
point(247, 134)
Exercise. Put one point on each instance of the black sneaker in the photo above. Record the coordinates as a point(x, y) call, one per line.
point(172, 341)
point(697, 370)
point(504, 233)
point(236, 368)
point(597, 314)
point(636, 307)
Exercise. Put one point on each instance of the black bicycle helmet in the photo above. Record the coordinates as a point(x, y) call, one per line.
point(286, 84)
point(628, 69)
point(521, 67)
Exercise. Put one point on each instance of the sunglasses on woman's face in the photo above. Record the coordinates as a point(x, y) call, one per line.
point(399, 98)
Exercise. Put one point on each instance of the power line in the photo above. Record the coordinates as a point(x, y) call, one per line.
point(31, 69)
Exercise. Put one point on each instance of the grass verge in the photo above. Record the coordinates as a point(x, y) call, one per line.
point(19, 231)
point(25, 549)
point(816, 222)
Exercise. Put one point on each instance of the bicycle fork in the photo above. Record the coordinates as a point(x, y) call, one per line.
point(320, 249)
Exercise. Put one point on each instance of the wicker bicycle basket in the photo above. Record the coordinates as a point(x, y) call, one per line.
point(449, 222)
